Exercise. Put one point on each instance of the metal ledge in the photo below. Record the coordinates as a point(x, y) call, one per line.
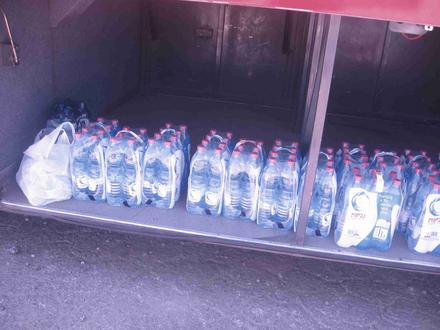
point(177, 223)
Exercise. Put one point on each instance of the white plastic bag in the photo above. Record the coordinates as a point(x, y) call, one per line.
point(44, 174)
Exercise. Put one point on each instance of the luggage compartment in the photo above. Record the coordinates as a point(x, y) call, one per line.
point(250, 70)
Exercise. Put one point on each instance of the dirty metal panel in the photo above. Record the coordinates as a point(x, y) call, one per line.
point(410, 78)
point(357, 66)
point(183, 42)
point(254, 66)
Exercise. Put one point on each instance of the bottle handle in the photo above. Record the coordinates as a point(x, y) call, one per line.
point(132, 133)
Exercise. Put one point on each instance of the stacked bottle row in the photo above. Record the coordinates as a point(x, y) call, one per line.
point(367, 199)
point(125, 167)
point(233, 180)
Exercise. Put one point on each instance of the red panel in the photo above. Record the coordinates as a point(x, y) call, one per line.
point(411, 11)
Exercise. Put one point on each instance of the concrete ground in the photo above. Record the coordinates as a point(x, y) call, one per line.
point(59, 276)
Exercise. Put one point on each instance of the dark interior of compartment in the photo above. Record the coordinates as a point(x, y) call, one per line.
point(212, 65)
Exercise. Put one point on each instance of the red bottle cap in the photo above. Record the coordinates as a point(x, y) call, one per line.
point(150, 141)
point(205, 143)
point(126, 128)
point(213, 131)
point(167, 144)
point(168, 125)
point(278, 142)
point(254, 155)
point(229, 135)
point(130, 141)
point(200, 148)
point(236, 153)
point(397, 182)
point(143, 130)
point(115, 122)
point(77, 136)
point(271, 160)
point(113, 140)
point(292, 158)
point(156, 136)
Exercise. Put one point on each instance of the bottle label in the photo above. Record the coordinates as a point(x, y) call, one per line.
point(388, 207)
point(359, 217)
point(429, 237)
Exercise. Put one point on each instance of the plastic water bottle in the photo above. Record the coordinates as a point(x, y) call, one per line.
point(115, 127)
point(79, 166)
point(388, 207)
point(358, 215)
point(413, 185)
point(424, 233)
point(278, 195)
point(182, 143)
point(215, 182)
point(150, 168)
point(131, 182)
point(166, 183)
point(231, 207)
point(323, 203)
point(96, 170)
point(115, 172)
point(268, 194)
point(197, 182)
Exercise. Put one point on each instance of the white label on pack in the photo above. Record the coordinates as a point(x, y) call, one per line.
point(359, 217)
point(429, 237)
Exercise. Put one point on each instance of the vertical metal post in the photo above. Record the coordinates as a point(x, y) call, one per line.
point(320, 78)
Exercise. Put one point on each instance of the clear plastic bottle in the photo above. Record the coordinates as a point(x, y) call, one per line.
point(215, 182)
point(424, 234)
point(231, 208)
point(388, 207)
point(115, 171)
point(79, 167)
point(278, 195)
point(356, 203)
point(197, 182)
point(267, 203)
point(150, 169)
point(413, 186)
point(166, 181)
point(323, 203)
point(96, 170)
point(131, 181)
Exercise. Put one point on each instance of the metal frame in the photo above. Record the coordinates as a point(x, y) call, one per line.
point(322, 60)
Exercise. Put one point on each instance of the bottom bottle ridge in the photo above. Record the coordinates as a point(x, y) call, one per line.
point(364, 199)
